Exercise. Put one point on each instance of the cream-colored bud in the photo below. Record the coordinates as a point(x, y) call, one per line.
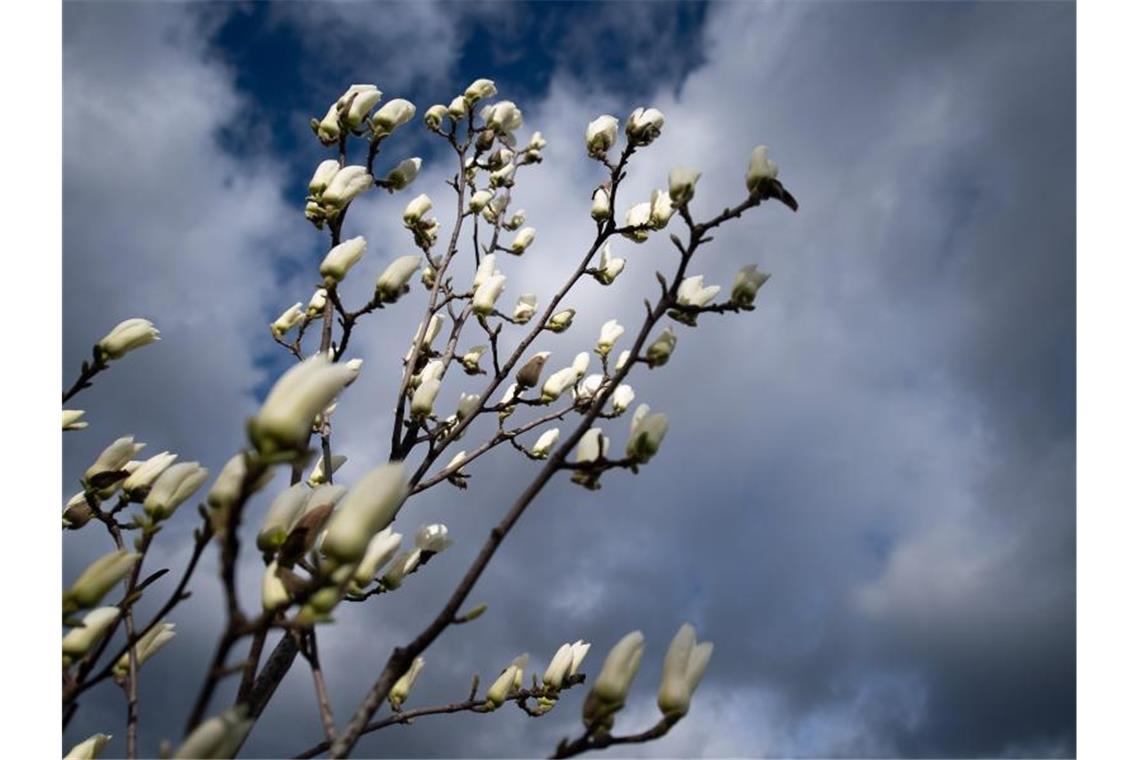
point(589, 387)
point(760, 169)
point(393, 283)
point(661, 209)
point(600, 205)
point(328, 129)
point(113, 459)
point(318, 475)
point(504, 177)
point(479, 200)
point(403, 686)
point(661, 349)
point(578, 651)
point(507, 682)
point(341, 258)
point(364, 97)
point(682, 184)
point(608, 267)
point(433, 370)
point(72, 421)
point(127, 336)
point(565, 663)
point(558, 383)
point(381, 548)
point(141, 479)
point(748, 280)
point(274, 594)
point(285, 419)
point(416, 209)
point(537, 142)
point(324, 174)
point(220, 736)
point(152, 641)
point(349, 182)
point(685, 664)
point(77, 512)
point(81, 639)
point(601, 134)
point(172, 488)
point(317, 303)
point(504, 117)
point(592, 446)
point(392, 114)
point(609, 335)
point(484, 271)
point(281, 516)
point(692, 291)
point(89, 748)
point(433, 538)
point(523, 240)
point(545, 443)
point(97, 579)
point(612, 684)
point(367, 509)
point(525, 308)
point(639, 219)
point(289, 319)
point(435, 115)
point(468, 405)
point(623, 396)
point(470, 359)
point(581, 363)
point(646, 434)
point(227, 488)
point(424, 398)
point(644, 125)
point(517, 219)
point(402, 566)
point(458, 108)
point(479, 89)
point(561, 321)
point(487, 294)
point(403, 174)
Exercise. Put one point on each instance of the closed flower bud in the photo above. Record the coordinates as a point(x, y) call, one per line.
point(341, 258)
point(89, 748)
point(315, 213)
point(608, 267)
point(622, 360)
point(152, 641)
point(366, 510)
point(622, 398)
point(612, 684)
point(71, 419)
point(324, 174)
point(565, 663)
point(172, 488)
point(400, 690)
point(561, 321)
point(558, 383)
point(381, 548)
point(545, 443)
point(531, 370)
point(416, 209)
point(77, 512)
point(592, 446)
point(507, 401)
point(504, 177)
point(479, 89)
point(661, 209)
point(470, 360)
point(661, 349)
point(639, 219)
point(692, 291)
point(537, 142)
point(433, 538)
point(760, 169)
point(126, 336)
point(349, 182)
point(458, 108)
point(402, 566)
point(434, 116)
point(99, 577)
point(285, 419)
point(392, 114)
point(328, 128)
point(581, 363)
point(363, 97)
point(525, 308)
point(682, 184)
point(394, 281)
point(644, 125)
point(283, 512)
point(141, 479)
point(274, 594)
point(487, 294)
point(220, 736)
point(318, 475)
point(317, 303)
point(424, 398)
point(455, 466)
point(509, 680)
point(610, 333)
point(601, 134)
point(484, 271)
point(427, 277)
point(523, 240)
point(517, 219)
point(645, 436)
point(113, 459)
point(468, 404)
point(504, 117)
point(746, 283)
point(600, 205)
point(80, 640)
point(479, 199)
point(589, 387)
point(685, 664)
point(292, 317)
point(433, 370)
point(403, 174)
point(226, 490)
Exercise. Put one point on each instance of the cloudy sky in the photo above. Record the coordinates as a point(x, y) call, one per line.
point(866, 498)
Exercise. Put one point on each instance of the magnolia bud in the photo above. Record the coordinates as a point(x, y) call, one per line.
point(470, 360)
point(760, 169)
point(318, 475)
point(581, 363)
point(746, 283)
point(349, 182)
point(381, 548)
point(525, 308)
point(434, 116)
point(479, 199)
point(600, 206)
point(509, 680)
point(545, 443)
point(487, 293)
point(340, 259)
point(565, 663)
point(424, 398)
point(601, 134)
point(523, 240)
point(504, 177)
point(99, 577)
point(537, 142)
point(589, 387)
point(328, 128)
point(479, 89)
point(623, 396)
point(173, 487)
point(558, 383)
point(96, 623)
point(152, 641)
point(366, 96)
point(366, 510)
point(89, 748)
point(427, 277)
point(285, 419)
point(403, 564)
point(141, 479)
point(561, 321)
point(394, 281)
point(274, 594)
point(484, 271)
point(77, 512)
point(661, 209)
point(126, 336)
point(529, 372)
point(639, 219)
point(317, 303)
point(71, 419)
point(509, 395)
point(592, 446)
point(622, 359)
point(403, 173)
point(516, 220)
point(112, 460)
point(503, 118)
point(324, 174)
point(292, 317)
point(645, 435)
point(608, 268)
point(692, 291)
point(416, 209)
point(458, 108)
point(433, 538)
point(685, 664)
point(610, 333)
point(228, 487)
point(661, 349)
point(220, 736)
point(644, 125)
point(609, 691)
point(392, 114)
point(468, 404)
point(682, 184)
point(400, 690)
point(281, 516)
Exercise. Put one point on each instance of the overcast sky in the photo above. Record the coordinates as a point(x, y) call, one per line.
point(866, 498)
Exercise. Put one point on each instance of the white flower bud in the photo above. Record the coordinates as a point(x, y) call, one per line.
point(760, 169)
point(537, 142)
point(644, 125)
point(565, 663)
point(366, 510)
point(434, 116)
point(89, 748)
point(71, 419)
point(403, 686)
point(97, 579)
point(503, 117)
point(639, 217)
point(289, 319)
point(458, 108)
point(381, 548)
point(661, 209)
point(622, 359)
point(80, 640)
point(545, 443)
point(646, 434)
point(154, 639)
point(685, 664)
point(589, 387)
point(623, 396)
point(581, 363)
point(402, 566)
point(479, 199)
point(558, 383)
point(509, 680)
point(317, 303)
point(274, 594)
point(608, 267)
point(173, 487)
point(403, 173)
point(517, 219)
point(487, 293)
point(283, 512)
point(600, 205)
point(601, 134)
point(392, 114)
point(226, 489)
point(746, 283)
point(424, 398)
point(324, 174)
point(286, 418)
point(112, 459)
point(349, 182)
point(367, 96)
point(523, 240)
point(142, 478)
point(592, 446)
point(433, 538)
point(504, 177)
point(220, 736)
point(561, 321)
point(394, 281)
point(479, 89)
point(127, 336)
point(341, 258)
point(612, 684)
point(328, 129)
point(416, 209)
point(484, 271)
point(468, 404)
point(525, 308)
point(457, 461)
point(692, 291)
point(661, 349)
point(470, 359)
point(318, 476)
point(610, 333)
point(682, 184)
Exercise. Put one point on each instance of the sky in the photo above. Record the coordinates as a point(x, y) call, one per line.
point(866, 497)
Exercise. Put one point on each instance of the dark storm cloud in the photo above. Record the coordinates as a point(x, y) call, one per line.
point(866, 496)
